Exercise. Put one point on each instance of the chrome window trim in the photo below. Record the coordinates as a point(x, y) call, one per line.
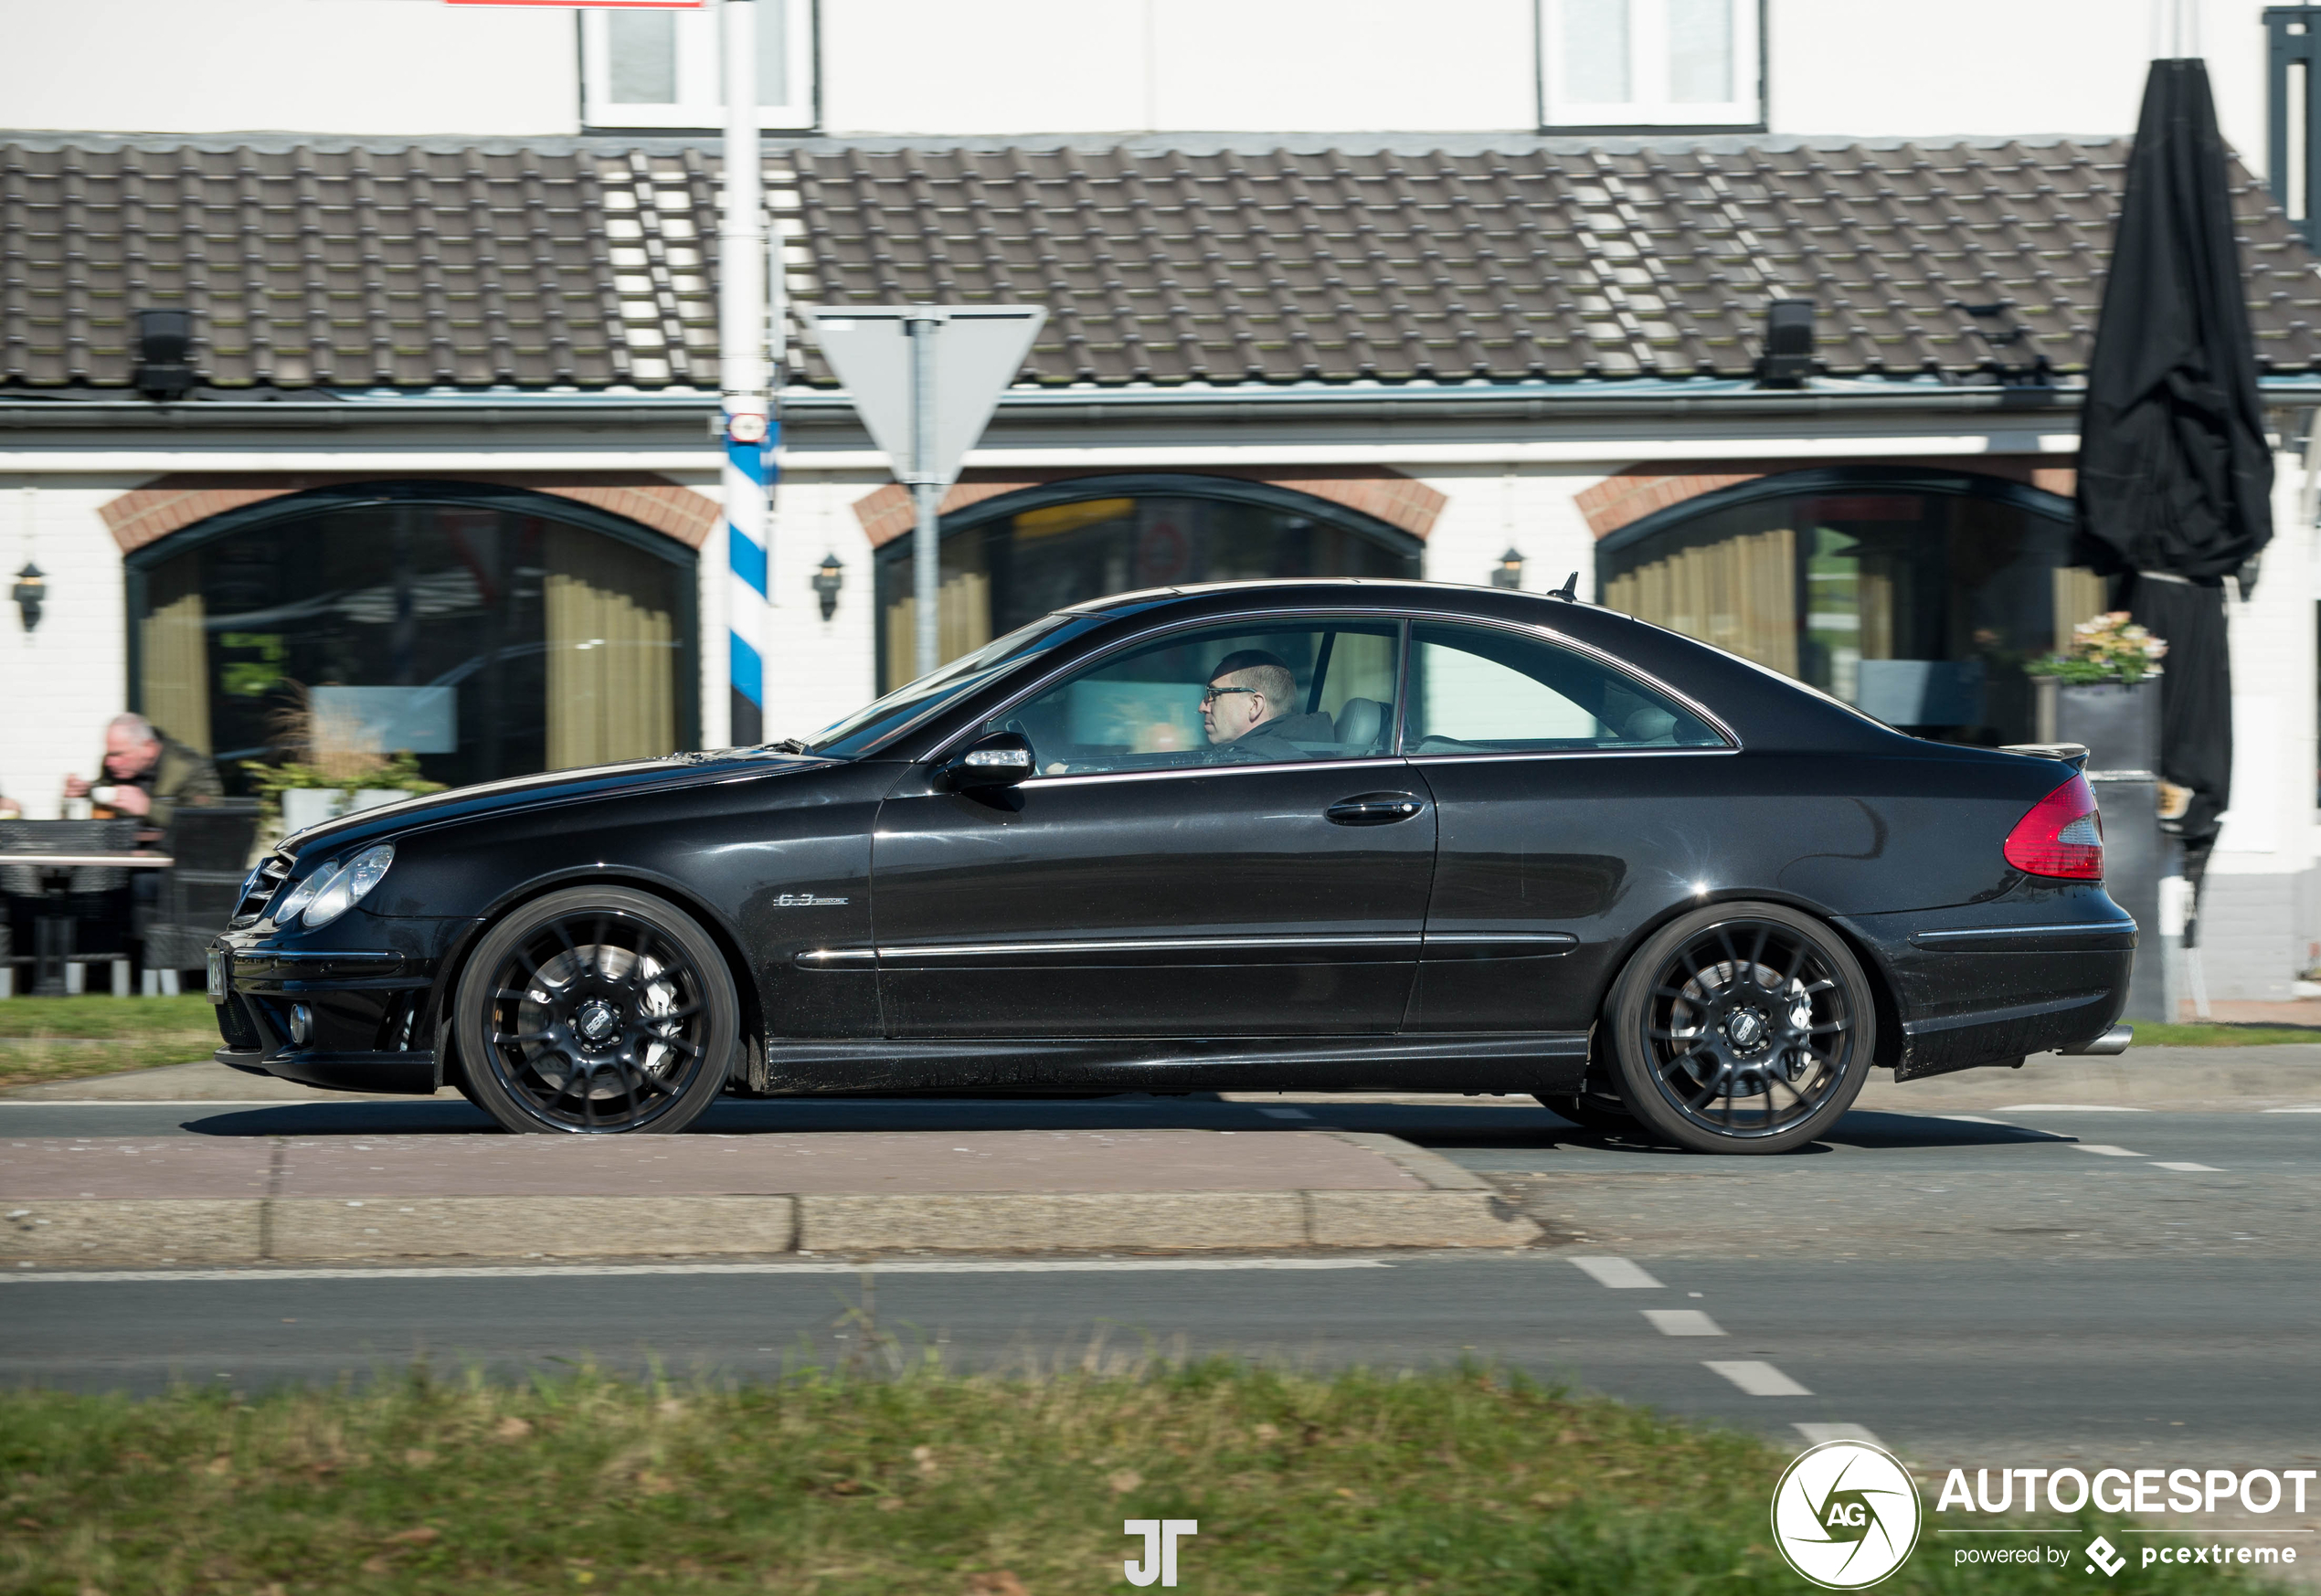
point(1400, 622)
point(1714, 722)
point(1423, 760)
point(1175, 772)
point(1405, 619)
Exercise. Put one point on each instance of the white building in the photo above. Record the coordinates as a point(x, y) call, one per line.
point(1333, 288)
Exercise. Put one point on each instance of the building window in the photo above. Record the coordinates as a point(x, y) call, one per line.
point(648, 69)
point(491, 632)
point(1611, 64)
point(2293, 35)
point(1012, 559)
point(1917, 597)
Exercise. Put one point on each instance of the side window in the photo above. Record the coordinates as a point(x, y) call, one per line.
point(1240, 693)
point(1479, 690)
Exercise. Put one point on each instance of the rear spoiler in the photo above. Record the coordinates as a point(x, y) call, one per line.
point(2071, 753)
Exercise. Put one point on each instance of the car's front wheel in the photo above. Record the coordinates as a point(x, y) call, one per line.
point(1743, 1027)
point(597, 1009)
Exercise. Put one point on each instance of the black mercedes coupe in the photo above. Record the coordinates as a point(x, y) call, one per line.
point(1344, 835)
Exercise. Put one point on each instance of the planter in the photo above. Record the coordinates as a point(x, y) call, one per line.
point(2120, 725)
point(311, 805)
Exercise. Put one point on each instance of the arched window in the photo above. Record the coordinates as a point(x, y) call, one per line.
point(1012, 559)
point(1918, 596)
point(491, 631)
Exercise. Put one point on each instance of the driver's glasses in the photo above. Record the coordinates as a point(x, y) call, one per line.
point(1210, 695)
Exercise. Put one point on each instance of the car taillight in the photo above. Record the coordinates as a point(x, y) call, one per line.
point(2062, 835)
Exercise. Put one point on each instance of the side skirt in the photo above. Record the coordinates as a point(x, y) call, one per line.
point(1550, 1061)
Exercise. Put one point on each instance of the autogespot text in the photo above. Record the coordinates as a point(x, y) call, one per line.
point(2163, 1491)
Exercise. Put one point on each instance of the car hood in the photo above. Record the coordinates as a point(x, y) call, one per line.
point(548, 788)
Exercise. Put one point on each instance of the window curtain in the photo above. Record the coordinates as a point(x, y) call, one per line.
point(962, 624)
point(612, 652)
point(172, 649)
point(1739, 594)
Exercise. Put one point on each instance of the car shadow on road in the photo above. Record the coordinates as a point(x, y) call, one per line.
point(1873, 1128)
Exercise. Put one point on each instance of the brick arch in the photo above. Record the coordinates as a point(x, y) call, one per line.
point(147, 514)
point(1375, 491)
point(1643, 490)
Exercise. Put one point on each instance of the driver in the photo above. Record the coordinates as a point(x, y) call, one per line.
point(1248, 711)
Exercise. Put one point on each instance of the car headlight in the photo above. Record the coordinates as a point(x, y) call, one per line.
point(327, 896)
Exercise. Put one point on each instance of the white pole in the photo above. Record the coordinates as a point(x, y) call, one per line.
point(927, 549)
point(741, 365)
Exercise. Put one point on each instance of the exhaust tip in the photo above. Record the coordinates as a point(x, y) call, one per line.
point(2113, 1041)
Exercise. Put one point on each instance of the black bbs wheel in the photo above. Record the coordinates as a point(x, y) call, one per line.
point(597, 1009)
point(1743, 1027)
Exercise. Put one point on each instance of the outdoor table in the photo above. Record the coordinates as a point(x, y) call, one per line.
point(53, 933)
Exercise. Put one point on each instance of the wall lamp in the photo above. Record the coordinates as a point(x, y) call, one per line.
point(31, 589)
point(827, 581)
point(1508, 572)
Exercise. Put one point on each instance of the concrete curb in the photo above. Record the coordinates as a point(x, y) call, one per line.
point(315, 1229)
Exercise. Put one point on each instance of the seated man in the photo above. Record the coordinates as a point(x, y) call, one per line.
point(147, 775)
point(1249, 712)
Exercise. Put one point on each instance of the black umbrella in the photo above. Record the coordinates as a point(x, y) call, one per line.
point(2175, 477)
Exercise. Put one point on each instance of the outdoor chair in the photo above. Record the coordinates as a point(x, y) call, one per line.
point(198, 894)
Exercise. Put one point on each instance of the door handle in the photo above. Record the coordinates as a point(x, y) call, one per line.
point(1373, 809)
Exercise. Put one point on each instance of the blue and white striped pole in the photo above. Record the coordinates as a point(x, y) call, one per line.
point(741, 364)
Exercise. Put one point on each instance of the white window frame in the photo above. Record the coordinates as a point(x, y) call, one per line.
point(701, 100)
point(1650, 106)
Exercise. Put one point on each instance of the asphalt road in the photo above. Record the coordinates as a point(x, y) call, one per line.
point(2025, 1286)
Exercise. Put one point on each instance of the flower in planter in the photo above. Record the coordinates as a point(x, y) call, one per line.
point(2104, 648)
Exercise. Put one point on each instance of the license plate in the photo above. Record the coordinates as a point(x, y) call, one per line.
point(218, 957)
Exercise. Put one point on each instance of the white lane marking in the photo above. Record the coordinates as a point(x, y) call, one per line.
point(1815, 1434)
point(1619, 1274)
point(533, 1270)
point(2191, 1169)
point(2068, 1108)
point(2301, 1108)
point(1967, 1119)
point(1759, 1380)
point(2105, 1149)
point(1682, 1322)
point(1285, 1113)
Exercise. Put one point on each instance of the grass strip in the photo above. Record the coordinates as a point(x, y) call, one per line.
point(2150, 1034)
point(70, 1039)
point(1453, 1481)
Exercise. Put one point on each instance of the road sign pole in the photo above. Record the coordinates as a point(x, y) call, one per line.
point(927, 494)
point(923, 410)
point(741, 365)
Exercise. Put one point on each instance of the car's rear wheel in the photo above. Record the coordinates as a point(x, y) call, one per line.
point(1743, 1027)
point(597, 1009)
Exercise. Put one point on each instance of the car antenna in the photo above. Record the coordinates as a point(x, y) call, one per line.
point(1570, 592)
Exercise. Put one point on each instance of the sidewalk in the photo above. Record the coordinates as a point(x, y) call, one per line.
point(280, 1199)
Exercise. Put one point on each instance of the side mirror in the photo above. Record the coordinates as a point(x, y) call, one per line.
point(1002, 759)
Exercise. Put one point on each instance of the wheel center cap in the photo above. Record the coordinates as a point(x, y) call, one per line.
point(596, 1021)
point(1746, 1028)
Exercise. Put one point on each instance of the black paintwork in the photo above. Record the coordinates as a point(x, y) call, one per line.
point(1458, 929)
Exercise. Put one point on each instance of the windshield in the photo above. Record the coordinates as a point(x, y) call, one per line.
point(867, 728)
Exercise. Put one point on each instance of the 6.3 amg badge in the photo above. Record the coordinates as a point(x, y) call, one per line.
point(1846, 1513)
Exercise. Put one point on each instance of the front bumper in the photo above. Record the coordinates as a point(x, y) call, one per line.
point(366, 1014)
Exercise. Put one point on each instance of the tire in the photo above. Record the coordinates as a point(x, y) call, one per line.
point(1743, 1027)
point(1593, 1111)
point(596, 1011)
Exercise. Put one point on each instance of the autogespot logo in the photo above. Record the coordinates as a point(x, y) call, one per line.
point(1846, 1513)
